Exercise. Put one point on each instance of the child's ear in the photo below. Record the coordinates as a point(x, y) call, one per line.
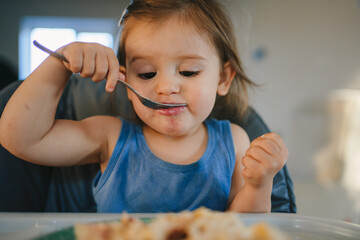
point(122, 69)
point(226, 79)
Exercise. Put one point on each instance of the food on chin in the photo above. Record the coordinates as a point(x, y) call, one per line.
point(200, 224)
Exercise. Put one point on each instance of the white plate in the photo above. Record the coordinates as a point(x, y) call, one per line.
point(301, 227)
point(20, 226)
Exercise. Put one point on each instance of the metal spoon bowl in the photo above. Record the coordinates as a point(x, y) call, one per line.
point(144, 100)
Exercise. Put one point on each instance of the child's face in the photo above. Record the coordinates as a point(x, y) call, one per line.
point(172, 63)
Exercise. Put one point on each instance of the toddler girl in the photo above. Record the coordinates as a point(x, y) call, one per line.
point(171, 51)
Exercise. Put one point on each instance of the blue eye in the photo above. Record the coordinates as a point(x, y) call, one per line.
point(189, 73)
point(147, 76)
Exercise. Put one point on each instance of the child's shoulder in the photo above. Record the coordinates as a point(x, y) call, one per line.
point(239, 134)
point(240, 138)
point(238, 131)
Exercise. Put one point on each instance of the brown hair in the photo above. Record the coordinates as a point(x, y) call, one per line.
point(210, 18)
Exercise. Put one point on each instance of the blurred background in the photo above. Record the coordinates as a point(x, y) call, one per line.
point(304, 54)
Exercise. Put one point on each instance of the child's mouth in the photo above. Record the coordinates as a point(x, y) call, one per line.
point(171, 111)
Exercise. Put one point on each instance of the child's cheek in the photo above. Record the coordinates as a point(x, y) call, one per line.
point(203, 102)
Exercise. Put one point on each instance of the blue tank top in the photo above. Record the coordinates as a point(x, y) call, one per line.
point(136, 181)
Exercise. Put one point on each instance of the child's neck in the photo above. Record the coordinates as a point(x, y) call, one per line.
point(178, 150)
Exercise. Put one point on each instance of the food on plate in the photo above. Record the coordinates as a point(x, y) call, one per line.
point(199, 224)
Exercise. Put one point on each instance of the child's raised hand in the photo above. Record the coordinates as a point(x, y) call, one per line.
point(92, 60)
point(263, 159)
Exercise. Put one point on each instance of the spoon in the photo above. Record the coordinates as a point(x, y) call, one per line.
point(144, 100)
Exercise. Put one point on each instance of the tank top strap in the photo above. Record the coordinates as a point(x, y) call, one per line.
point(126, 131)
point(221, 131)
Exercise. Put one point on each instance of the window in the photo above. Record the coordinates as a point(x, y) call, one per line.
point(54, 32)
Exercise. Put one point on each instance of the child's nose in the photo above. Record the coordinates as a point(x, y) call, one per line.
point(167, 85)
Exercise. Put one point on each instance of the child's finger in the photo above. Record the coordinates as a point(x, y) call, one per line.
point(276, 138)
point(101, 67)
point(258, 154)
point(75, 57)
point(121, 76)
point(252, 168)
point(279, 143)
point(268, 144)
point(88, 67)
point(113, 72)
point(250, 162)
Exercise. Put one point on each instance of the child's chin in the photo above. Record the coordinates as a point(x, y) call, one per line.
point(171, 129)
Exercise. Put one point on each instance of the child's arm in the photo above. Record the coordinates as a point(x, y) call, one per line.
point(27, 126)
point(254, 173)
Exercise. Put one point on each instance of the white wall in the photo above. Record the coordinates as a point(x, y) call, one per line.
point(311, 48)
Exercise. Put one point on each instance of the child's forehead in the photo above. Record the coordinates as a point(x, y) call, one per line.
point(172, 28)
point(166, 43)
point(156, 24)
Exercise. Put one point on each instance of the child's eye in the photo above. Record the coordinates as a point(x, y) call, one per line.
point(147, 76)
point(189, 73)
